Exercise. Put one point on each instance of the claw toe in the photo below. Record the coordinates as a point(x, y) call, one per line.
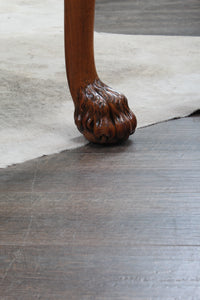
point(103, 115)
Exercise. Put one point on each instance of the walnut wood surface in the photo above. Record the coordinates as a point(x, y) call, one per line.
point(152, 17)
point(102, 115)
point(105, 223)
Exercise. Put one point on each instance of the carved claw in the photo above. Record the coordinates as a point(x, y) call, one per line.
point(102, 115)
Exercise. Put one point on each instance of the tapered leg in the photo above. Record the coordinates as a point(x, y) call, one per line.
point(101, 114)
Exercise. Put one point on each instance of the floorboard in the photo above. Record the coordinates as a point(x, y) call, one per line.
point(105, 222)
point(163, 17)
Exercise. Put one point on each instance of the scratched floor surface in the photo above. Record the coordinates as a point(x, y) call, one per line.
point(163, 17)
point(105, 222)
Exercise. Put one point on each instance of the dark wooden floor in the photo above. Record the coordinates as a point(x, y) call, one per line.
point(102, 223)
point(105, 222)
point(159, 17)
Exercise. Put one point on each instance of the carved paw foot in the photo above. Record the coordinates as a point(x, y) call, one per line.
point(102, 115)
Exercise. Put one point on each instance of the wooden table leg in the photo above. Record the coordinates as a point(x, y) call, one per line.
point(101, 114)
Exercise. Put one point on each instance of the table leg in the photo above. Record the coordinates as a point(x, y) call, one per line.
point(102, 115)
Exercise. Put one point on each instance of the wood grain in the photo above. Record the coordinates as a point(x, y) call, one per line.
point(102, 115)
point(152, 17)
point(105, 222)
